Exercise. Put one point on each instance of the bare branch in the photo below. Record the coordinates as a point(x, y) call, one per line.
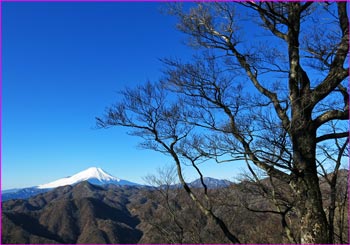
point(332, 136)
point(331, 115)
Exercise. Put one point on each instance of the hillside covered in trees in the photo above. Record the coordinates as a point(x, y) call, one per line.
point(87, 213)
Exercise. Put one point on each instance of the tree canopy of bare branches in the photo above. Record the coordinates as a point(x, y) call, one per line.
point(274, 102)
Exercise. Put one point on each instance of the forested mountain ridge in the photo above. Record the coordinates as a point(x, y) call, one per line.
point(86, 213)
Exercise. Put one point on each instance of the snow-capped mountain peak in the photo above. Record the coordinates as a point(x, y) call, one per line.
point(94, 175)
point(97, 173)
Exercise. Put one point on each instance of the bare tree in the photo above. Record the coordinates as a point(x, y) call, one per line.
point(330, 162)
point(302, 109)
point(260, 190)
point(159, 121)
point(250, 100)
point(164, 183)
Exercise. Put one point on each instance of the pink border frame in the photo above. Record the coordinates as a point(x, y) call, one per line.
point(1, 1)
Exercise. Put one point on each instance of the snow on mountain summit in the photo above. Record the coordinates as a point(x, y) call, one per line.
point(93, 175)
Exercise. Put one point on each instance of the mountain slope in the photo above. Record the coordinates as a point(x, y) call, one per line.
point(21, 193)
point(81, 214)
point(86, 213)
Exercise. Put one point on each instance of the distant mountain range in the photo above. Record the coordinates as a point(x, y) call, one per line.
point(96, 176)
point(211, 183)
point(93, 175)
point(85, 213)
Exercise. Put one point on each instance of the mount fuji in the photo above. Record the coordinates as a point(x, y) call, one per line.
point(93, 175)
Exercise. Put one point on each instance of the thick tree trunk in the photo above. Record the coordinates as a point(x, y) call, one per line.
point(313, 221)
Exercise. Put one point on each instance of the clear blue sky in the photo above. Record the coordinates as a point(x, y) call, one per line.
point(62, 65)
